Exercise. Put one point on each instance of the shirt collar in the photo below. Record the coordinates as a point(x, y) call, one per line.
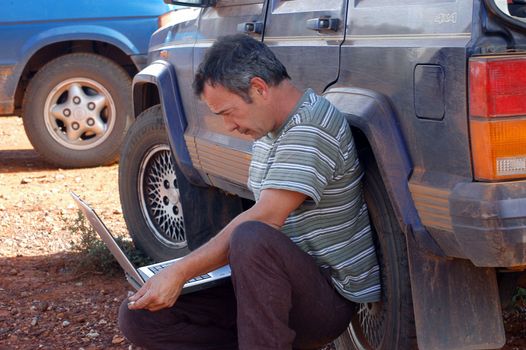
point(304, 98)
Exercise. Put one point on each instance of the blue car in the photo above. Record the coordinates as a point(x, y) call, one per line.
point(66, 68)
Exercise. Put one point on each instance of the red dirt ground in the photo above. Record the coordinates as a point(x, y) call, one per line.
point(45, 303)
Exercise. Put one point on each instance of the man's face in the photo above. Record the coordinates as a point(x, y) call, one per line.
point(251, 119)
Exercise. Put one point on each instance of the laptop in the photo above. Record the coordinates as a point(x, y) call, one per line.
point(137, 277)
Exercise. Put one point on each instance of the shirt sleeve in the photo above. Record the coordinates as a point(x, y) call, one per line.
point(305, 161)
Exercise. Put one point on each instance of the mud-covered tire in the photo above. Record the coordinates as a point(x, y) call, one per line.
point(149, 189)
point(77, 109)
point(389, 324)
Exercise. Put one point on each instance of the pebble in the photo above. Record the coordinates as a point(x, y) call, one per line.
point(65, 323)
point(117, 339)
point(92, 334)
point(40, 306)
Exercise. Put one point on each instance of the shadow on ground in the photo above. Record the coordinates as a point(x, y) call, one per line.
point(22, 160)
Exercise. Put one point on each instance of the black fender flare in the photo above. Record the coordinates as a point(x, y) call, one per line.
point(371, 113)
point(163, 76)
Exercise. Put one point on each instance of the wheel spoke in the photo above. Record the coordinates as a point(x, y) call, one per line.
point(74, 135)
point(99, 102)
point(57, 111)
point(98, 128)
point(75, 90)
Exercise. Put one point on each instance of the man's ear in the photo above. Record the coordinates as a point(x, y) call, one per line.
point(259, 87)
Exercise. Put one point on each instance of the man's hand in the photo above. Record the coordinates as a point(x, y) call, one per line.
point(159, 292)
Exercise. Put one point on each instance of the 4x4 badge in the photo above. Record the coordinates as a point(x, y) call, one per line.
point(446, 18)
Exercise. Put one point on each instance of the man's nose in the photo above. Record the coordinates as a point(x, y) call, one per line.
point(229, 124)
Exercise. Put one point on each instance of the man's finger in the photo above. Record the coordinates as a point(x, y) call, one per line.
point(139, 293)
point(141, 301)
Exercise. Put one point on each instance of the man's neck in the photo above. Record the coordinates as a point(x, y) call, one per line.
point(286, 99)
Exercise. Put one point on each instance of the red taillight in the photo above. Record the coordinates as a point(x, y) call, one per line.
point(497, 87)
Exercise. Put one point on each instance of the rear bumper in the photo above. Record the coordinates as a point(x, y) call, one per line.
point(489, 222)
point(482, 222)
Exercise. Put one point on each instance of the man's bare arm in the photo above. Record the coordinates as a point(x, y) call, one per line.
point(162, 290)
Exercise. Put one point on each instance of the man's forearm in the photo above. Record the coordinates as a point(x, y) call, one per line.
point(273, 208)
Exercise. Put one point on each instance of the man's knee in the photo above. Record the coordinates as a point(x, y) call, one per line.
point(252, 240)
point(130, 324)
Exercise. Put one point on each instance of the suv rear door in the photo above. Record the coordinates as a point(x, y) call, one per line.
point(310, 55)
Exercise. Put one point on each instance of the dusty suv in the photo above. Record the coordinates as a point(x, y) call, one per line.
point(435, 92)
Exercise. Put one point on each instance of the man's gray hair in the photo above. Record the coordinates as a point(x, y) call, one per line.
point(233, 61)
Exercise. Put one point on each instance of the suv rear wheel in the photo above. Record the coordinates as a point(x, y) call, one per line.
point(149, 189)
point(77, 109)
point(388, 324)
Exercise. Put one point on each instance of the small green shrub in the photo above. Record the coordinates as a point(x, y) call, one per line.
point(94, 253)
point(519, 298)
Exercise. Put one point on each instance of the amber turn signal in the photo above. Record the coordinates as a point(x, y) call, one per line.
point(499, 148)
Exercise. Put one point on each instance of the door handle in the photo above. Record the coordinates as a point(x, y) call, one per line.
point(250, 27)
point(323, 23)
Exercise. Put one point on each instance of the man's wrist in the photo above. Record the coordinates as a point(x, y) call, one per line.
point(180, 271)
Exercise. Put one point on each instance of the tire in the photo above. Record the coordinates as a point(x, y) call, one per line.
point(77, 109)
point(388, 324)
point(149, 189)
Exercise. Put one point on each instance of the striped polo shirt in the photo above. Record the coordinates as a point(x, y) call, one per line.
point(313, 153)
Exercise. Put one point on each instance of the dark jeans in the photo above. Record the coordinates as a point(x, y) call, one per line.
point(278, 299)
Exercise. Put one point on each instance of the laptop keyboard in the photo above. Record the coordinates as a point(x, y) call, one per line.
point(156, 268)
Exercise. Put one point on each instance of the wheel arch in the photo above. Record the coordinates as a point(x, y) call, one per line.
point(375, 127)
point(55, 49)
point(157, 83)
